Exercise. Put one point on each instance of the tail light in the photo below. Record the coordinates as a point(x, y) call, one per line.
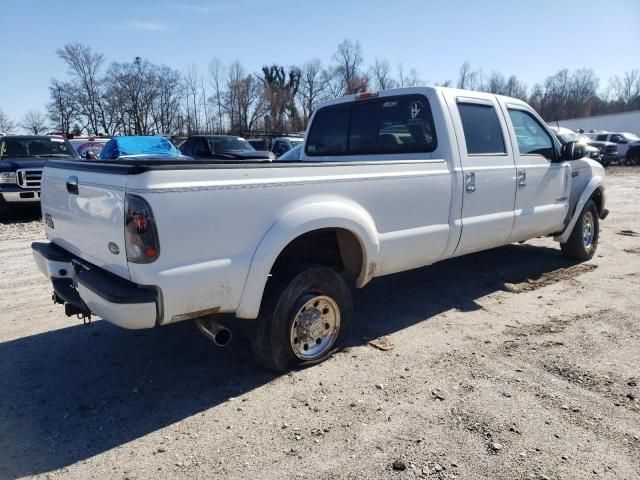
point(365, 95)
point(141, 235)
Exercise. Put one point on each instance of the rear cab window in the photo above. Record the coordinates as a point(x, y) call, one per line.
point(378, 126)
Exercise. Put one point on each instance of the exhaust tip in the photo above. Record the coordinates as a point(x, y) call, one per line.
point(223, 337)
point(218, 334)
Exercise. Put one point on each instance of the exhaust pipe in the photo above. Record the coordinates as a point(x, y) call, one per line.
point(218, 334)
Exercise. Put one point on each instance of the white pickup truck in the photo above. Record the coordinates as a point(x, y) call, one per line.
point(387, 181)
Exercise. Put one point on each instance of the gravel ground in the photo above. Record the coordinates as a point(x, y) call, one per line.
point(507, 364)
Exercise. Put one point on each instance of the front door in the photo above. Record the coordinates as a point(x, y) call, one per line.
point(489, 174)
point(543, 183)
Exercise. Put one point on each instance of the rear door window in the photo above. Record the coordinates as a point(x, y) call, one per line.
point(482, 131)
point(387, 125)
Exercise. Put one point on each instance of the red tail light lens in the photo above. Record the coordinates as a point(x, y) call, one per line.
point(141, 235)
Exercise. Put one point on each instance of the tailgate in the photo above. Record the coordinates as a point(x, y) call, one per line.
point(83, 212)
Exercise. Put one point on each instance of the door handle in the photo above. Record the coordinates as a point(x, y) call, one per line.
point(470, 182)
point(522, 178)
point(72, 185)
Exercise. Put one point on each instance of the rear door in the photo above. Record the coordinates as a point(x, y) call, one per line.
point(83, 212)
point(489, 173)
point(542, 196)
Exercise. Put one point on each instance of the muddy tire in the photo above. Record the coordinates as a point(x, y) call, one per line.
point(304, 319)
point(583, 241)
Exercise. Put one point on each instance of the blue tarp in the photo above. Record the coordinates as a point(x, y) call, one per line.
point(128, 146)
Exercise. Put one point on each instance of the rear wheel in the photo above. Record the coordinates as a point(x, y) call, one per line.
point(633, 157)
point(583, 241)
point(304, 319)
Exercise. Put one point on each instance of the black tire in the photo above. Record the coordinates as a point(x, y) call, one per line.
point(5, 212)
point(583, 242)
point(633, 156)
point(285, 305)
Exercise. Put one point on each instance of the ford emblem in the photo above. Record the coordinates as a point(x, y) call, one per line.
point(114, 248)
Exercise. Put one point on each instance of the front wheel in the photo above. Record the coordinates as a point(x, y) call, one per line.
point(583, 241)
point(304, 319)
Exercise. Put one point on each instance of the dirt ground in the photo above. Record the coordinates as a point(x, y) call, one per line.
point(507, 364)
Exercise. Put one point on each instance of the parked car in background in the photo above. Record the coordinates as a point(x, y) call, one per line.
point(222, 147)
point(140, 146)
point(89, 147)
point(281, 145)
point(628, 144)
point(387, 181)
point(259, 144)
point(565, 136)
point(292, 155)
point(21, 161)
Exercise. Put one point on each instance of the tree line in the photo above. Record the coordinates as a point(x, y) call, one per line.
point(142, 98)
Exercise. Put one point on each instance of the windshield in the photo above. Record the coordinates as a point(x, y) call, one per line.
point(295, 143)
point(231, 144)
point(293, 154)
point(631, 137)
point(36, 147)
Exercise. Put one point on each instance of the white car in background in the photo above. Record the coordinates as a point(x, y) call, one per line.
point(281, 145)
point(628, 144)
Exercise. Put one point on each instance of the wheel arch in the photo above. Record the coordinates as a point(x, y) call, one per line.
point(593, 190)
point(350, 222)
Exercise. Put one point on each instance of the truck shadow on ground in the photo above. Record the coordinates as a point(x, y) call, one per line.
point(69, 394)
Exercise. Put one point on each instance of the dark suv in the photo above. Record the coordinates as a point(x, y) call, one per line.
point(222, 148)
point(21, 161)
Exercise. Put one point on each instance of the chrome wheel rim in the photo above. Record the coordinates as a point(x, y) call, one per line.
point(588, 230)
point(315, 327)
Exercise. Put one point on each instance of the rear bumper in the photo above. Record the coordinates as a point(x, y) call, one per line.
point(90, 289)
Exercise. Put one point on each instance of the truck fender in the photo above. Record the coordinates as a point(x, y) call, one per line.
point(296, 222)
point(594, 184)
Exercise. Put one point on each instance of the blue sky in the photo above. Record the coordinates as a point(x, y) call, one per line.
point(531, 39)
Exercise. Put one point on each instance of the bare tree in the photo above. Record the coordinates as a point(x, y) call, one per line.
point(6, 124)
point(34, 122)
point(245, 101)
point(63, 107)
point(381, 75)
point(216, 74)
point(280, 91)
point(469, 79)
point(626, 89)
point(349, 60)
point(313, 87)
point(191, 88)
point(85, 66)
point(408, 80)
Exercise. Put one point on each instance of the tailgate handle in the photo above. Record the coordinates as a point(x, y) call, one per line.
point(72, 185)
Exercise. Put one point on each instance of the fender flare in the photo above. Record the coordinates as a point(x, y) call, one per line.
point(297, 222)
point(594, 184)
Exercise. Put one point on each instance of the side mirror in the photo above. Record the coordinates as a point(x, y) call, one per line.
point(572, 151)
